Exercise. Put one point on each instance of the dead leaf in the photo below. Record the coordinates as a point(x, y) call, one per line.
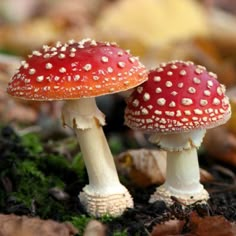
point(146, 166)
point(12, 225)
point(126, 21)
point(95, 228)
point(168, 228)
point(211, 225)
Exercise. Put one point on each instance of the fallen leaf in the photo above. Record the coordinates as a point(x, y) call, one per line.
point(141, 25)
point(95, 228)
point(211, 225)
point(145, 167)
point(13, 225)
point(168, 228)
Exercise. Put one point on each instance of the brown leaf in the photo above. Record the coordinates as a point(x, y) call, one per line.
point(221, 144)
point(12, 225)
point(95, 228)
point(211, 225)
point(145, 167)
point(168, 228)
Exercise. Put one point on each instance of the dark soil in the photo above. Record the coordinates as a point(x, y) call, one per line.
point(137, 221)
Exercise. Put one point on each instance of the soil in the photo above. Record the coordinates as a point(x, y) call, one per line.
point(137, 221)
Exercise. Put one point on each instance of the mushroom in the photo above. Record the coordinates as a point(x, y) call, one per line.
point(176, 105)
point(77, 72)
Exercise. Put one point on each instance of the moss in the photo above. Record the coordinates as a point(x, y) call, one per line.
point(32, 171)
point(80, 222)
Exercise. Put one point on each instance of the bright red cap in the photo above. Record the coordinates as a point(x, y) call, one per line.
point(178, 96)
point(74, 70)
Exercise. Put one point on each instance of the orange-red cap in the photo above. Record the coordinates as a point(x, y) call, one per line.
point(76, 70)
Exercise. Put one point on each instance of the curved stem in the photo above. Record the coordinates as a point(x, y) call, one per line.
point(86, 119)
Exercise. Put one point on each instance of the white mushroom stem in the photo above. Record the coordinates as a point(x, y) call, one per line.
point(86, 119)
point(182, 173)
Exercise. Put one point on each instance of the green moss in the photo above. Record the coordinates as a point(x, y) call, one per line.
point(80, 222)
point(33, 171)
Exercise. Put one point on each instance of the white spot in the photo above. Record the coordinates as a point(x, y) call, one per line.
point(168, 84)
point(96, 77)
point(135, 103)
point(37, 53)
point(71, 41)
point(219, 91)
point(87, 67)
point(63, 49)
point(191, 90)
point(170, 113)
point(216, 101)
point(53, 49)
point(198, 70)
point(61, 56)
point(32, 71)
point(40, 78)
point(187, 101)
point(196, 80)
point(140, 89)
point(159, 69)
point(213, 75)
point(161, 101)
point(26, 66)
point(174, 93)
point(203, 102)
point(173, 67)
point(62, 70)
point(178, 113)
point(146, 97)
point(180, 85)
point(207, 92)
point(109, 69)
point(183, 72)
point(184, 119)
point(121, 64)
point(56, 78)
point(48, 66)
point(187, 112)
point(76, 77)
point(158, 90)
point(144, 111)
point(209, 83)
point(120, 53)
point(72, 54)
point(169, 73)
point(172, 104)
point(132, 59)
point(162, 121)
point(157, 78)
point(47, 55)
point(198, 111)
point(104, 59)
point(157, 112)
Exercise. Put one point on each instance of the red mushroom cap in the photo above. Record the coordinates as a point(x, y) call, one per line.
point(74, 70)
point(178, 96)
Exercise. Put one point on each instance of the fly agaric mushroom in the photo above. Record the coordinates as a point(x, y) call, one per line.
point(77, 73)
point(177, 104)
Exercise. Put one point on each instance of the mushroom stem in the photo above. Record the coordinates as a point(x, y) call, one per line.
point(98, 159)
point(104, 194)
point(182, 173)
